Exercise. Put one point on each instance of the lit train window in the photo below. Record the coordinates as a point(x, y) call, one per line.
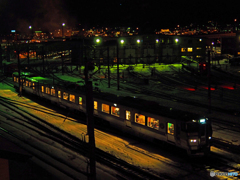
point(42, 88)
point(115, 111)
point(26, 83)
point(128, 115)
point(53, 92)
point(170, 128)
point(80, 100)
point(65, 95)
point(14, 79)
point(139, 118)
point(153, 123)
point(33, 85)
point(95, 105)
point(47, 90)
point(72, 98)
point(29, 83)
point(105, 108)
point(59, 94)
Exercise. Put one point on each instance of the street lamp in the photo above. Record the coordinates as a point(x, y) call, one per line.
point(138, 41)
point(63, 24)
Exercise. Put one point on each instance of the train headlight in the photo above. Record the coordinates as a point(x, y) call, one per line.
point(202, 121)
point(209, 137)
point(193, 140)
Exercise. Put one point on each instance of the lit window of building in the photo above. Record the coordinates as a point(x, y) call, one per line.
point(47, 90)
point(59, 94)
point(42, 88)
point(198, 48)
point(189, 49)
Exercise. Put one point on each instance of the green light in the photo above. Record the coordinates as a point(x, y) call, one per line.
point(97, 40)
point(138, 41)
point(122, 41)
point(38, 31)
point(63, 24)
point(157, 40)
point(176, 40)
point(30, 27)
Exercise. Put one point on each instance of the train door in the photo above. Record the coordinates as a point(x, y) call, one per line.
point(128, 118)
point(170, 132)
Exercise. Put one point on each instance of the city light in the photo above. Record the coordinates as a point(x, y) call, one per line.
point(122, 41)
point(63, 24)
point(176, 40)
point(138, 41)
point(30, 27)
point(97, 40)
point(157, 40)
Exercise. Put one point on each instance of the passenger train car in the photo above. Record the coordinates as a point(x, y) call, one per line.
point(141, 118)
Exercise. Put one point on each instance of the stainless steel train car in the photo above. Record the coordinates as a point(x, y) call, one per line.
point(141, 118)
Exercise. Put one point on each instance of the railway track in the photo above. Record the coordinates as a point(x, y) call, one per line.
point(33, 124)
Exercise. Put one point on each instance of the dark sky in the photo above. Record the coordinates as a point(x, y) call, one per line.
point(49, 14)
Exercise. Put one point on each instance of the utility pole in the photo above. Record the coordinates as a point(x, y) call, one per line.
point(90, 122)
point(209, 82)
point(19, 77)
point(117, 69)
point(43, 61)
point(62, 64)
point(108, 67)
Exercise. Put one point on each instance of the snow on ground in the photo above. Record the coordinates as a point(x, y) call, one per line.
point(131, 151)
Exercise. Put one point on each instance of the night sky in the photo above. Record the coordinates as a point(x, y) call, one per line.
point(49, 14)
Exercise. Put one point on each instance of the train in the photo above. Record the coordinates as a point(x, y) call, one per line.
point(140, 118)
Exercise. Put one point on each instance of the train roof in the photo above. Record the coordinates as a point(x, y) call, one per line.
point(148, 106)
point(131, 102)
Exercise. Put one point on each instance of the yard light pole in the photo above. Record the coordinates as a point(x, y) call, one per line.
point(63, 24)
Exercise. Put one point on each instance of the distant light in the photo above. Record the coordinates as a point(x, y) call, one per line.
point(52, 87)
point(235, 20)
point(212, 43)
point(138, 41)
point(13, 31)
point(209, 137)
point(63, 24)
point(157, 40)
point(115, 104)
point(176, 40)
point(30, 27)
point(98, 40)
point(194, 121)
point(200, 39)
point(122, 41)
point(193, 140)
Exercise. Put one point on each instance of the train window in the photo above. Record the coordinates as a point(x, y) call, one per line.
point(59, 94)
point(65, 95)
point(170, 128)
point(42, 88)
point(14, 79)
point(139, 118)
point(95, 105)
point(189, 49)
point(183, 49)
point(153, 123)
point(29, 83)
point(33, 85)
point(105, 108)
point(53, 92)
point(128, 115)
point(26, 83)
point(47, 90)
point(115, 111)
point(72, 98)
point(80, 100)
